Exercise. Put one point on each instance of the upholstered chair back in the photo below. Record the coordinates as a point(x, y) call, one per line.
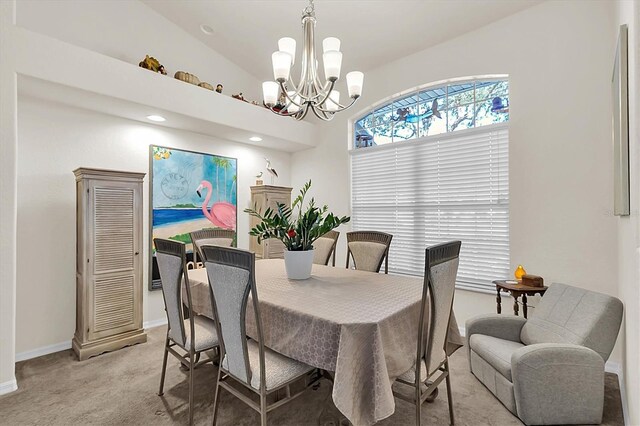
point(569, 314)
point(231, 278)
point(171, 257)
point(439, 287)
point(368, 249)
point(211, 237)
point(324, 247)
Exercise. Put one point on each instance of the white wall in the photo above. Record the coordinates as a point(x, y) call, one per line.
point(559, 56)
point(8, 195)
point(54, 140)
point(628, 12)
point(128, 30)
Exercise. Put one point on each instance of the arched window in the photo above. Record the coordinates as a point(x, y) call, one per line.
point(433, 166)
point(435, 110)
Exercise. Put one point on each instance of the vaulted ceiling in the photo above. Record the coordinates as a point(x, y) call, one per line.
point(373, 32)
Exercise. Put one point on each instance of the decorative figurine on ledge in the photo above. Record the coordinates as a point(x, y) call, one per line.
point(152, 64)
point(239, 96)
point(258, 180)
point(187, 77)
point(219, 88)
point(271, 170)
point(205, 85)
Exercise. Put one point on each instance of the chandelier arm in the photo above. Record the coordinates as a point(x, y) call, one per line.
point(292, 84)
point(320, 88)
point(326, 94)
point(306, 111)
point(325, 116)
point(340, 106)
point(291, 100)
point(283, 114)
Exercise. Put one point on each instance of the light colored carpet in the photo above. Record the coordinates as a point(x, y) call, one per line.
point(121, 388)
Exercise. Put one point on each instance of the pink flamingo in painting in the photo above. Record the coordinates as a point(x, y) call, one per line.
point(222, 214)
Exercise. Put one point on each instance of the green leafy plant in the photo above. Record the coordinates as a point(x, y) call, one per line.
point(298, 232)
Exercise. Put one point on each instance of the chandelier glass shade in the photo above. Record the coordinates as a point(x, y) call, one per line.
point(285, 98)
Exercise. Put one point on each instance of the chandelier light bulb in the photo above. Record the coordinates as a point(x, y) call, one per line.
point(332, 62)
point(335, 97)
point(354, 83)
point(281, 65)
point(288, 45)
point(270, 91)
point(329, 44)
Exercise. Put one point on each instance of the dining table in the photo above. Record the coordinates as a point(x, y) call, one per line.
point(360, 326)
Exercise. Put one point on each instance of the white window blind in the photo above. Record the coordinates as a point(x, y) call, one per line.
point(446, 187)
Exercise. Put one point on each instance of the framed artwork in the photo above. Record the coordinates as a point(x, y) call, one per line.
point(188, 191)
point(620, 94)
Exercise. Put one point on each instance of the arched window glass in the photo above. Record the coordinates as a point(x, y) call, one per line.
point(434, 110)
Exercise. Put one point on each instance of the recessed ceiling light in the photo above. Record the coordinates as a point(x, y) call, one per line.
point(255, 138)
point(206, 29)
point(157, 118)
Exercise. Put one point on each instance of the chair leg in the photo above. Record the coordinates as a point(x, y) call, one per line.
point(216, 399)
point(418, 402)
point(191, 387)
point(263, 409)
point(449, 399)
point(164, 367)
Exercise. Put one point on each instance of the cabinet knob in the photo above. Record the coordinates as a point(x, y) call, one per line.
point(137, 253)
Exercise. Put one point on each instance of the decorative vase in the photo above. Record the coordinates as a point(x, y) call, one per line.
point(298, 264)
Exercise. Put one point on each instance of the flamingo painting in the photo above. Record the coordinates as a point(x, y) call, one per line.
point(222, 214)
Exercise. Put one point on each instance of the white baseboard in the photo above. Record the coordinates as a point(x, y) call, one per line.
point(45, 350)
point(62, 346)
point(8, 387)
point(154, 323)
point(609, 367)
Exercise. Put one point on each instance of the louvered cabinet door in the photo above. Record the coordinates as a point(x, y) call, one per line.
point(263, 196)
point(109, 269)
point(114, 258)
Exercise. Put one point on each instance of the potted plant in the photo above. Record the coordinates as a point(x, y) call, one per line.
point(297, 231)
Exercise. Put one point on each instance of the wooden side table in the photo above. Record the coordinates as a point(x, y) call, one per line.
point(516, 290)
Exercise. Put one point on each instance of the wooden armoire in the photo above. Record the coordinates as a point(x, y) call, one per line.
point(263, 196)
point(109, 261)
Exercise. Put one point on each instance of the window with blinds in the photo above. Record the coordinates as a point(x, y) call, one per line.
point(450, 186)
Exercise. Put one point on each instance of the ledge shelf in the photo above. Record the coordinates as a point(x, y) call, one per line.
point(82, 78)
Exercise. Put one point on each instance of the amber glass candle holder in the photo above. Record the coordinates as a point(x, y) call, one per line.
point(519, 272)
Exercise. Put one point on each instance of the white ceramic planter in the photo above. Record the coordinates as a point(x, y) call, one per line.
point(298, 264)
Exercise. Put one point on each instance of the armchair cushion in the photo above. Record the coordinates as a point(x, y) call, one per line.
point(496, 352)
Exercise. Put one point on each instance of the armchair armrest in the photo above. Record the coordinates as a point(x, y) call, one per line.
point(558, 384)
point(501, 326)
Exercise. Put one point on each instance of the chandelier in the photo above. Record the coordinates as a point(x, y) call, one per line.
point(285, 98)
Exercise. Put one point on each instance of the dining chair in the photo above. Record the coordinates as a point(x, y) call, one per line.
point(432, 361)
point(369, 249)
point(246, 361)
point(192, 333)
point(213, 237)
point(324, 248)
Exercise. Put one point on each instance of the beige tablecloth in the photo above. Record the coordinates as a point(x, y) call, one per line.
point(361, 325)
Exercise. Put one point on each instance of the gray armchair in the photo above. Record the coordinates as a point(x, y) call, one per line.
point(548, 369)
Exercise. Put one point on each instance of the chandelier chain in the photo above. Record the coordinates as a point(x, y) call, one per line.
point(310, 9)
